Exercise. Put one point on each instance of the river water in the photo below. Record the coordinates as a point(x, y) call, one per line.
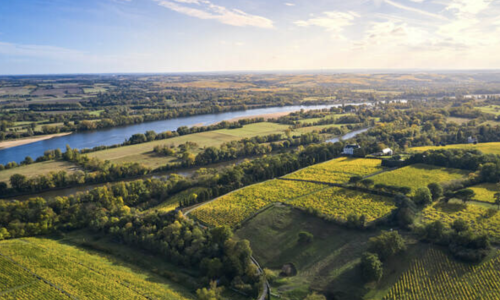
point(117, 135)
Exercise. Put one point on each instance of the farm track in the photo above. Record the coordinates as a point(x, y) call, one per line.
point(74, 260)
point(38, 277)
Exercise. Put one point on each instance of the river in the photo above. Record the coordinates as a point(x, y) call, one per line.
point(117, 135)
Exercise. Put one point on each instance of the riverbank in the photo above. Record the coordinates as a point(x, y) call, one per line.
point(25, 141)
point(265, 116)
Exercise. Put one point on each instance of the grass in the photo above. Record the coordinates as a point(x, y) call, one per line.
point(328, 264)
point(143, 153)
point(79, 273)
point(480, 219)
point(435, 276)
point(418, 175)
point(338, 170)
point(173, 202)
point(485, 192)
point(235, 207)
point(457, 120)
point(338, 203)
point(490, 109)
point(38, 169)
point(487, 148)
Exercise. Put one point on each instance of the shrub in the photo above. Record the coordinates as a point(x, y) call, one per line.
point(305, 237)
point(387, 244)
point(371, 267)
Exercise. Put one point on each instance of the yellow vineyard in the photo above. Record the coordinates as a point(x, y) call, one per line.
point(437, 277)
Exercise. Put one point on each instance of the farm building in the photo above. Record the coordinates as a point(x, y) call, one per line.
point(349, 149)
point(472, 140)
point(387, 151)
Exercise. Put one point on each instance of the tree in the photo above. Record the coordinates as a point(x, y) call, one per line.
point(465, 195)
point(387, 244)
point(423, 196)
point(355, 179)
point(497, 200)
point(315, 296)
point(18, 182)
point(371, 267)
point(221, 234)
point(27, 161)
point(212, 293)
point(367, 182)
point(305, 237)
point(436, 190)
point(460, 225)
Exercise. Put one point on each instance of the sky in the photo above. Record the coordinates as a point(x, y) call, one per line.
point(143, 36)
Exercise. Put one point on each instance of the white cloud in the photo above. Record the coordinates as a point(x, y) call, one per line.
point(331, 21)
point(206, 10)
point(467, 8)
point(415, 10)
point(289, 4)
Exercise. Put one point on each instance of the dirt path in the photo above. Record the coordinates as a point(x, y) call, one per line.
point(19, 142)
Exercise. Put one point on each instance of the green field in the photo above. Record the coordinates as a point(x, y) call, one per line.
point(328, 264)
point(235, 207)
point(38, 169)
point(490, 109)
point(172, 203)
point(487, 148)
point(435, 275)
point(338, 170)
point(35, 268)
point(337, 203)
point(143, 153)
point(418, 175)
point(480, 219)
point(485, 192)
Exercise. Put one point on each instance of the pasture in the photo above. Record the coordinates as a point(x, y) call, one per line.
point(38, 169)
point(490, 109)
point(235, 207)
point(143, 153)
point(338, 170)
point(418, 175)
point(35, 268)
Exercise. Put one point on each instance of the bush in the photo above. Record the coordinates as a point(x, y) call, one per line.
point(460, 225)
point(423, 196)
point(387, 244)
point(436, 190)
point(305, 237)
point(371, 267)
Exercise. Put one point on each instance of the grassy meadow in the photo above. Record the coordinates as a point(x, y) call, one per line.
point(485, 192)
point(38, 169)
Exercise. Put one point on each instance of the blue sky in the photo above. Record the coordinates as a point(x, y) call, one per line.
point(105, 36)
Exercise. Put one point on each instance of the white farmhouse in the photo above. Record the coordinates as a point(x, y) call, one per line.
point(472, 140)
point(349, 149)
point(387, 151)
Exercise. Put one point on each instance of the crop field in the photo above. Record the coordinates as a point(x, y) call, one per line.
point(35, 268)
point(485, 192)
point(235, 207)
point(38, 169)
point(487, 148)
point(338, 170)
point(435, 276)
point(418, 175)
point(480, 219)
point(338, 203)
